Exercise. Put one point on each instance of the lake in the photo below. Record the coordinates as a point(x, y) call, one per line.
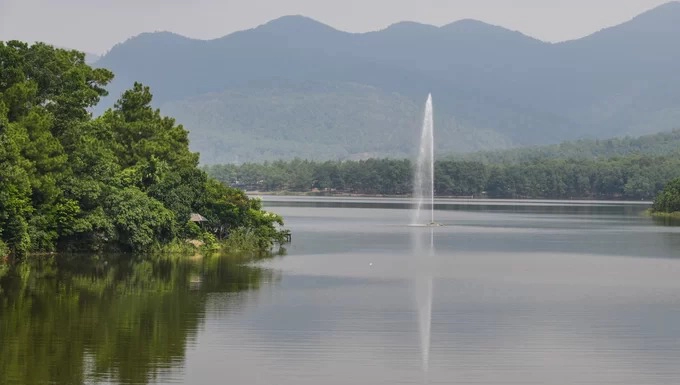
point(505, 292)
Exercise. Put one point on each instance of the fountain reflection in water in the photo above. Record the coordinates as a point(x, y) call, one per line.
point(423, 249)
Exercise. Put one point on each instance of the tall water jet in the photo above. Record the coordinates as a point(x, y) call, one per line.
point(423, 186)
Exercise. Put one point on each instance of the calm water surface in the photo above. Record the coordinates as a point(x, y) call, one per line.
point(522, 293)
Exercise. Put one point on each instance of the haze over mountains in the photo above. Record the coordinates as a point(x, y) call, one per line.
point(296, 87)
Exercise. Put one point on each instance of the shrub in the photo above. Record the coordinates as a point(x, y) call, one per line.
point(668, 200)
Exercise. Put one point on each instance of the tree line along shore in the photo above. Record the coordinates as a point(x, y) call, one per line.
point(631, 177)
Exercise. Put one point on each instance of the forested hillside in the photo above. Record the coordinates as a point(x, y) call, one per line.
point(501, 87)
point(662, 144)
point(319, 119)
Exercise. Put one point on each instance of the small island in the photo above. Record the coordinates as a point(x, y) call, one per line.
point(123, 182)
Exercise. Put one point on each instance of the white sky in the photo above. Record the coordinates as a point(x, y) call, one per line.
point(96, 25)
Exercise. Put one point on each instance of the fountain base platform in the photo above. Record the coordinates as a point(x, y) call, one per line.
point(432, 224)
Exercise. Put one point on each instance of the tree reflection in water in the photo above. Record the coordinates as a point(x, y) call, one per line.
point(71, 320)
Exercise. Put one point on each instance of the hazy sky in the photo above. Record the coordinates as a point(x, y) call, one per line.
point(96, 25)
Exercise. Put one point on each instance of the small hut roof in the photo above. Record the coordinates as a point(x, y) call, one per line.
point(197, 218)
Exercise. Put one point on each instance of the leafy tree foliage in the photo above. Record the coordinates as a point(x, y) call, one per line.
point(668, 200)
point(125, 181)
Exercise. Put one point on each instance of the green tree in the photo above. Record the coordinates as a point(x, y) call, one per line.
point(668, 201)
point(124, 181)
point(140, 221)
point(15, 186)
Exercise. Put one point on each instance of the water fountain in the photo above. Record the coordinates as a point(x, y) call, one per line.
point(423, 186)
point(423, 194)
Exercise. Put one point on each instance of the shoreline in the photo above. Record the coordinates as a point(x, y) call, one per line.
point(662, 215)
point(295, 194)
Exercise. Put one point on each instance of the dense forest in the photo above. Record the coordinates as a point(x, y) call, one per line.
point(317, 120)
point(628, 177)
point(124, 181)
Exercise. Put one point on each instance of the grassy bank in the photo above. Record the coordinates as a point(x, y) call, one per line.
point(657, 214)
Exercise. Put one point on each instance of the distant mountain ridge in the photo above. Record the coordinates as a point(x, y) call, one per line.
point(503, 88)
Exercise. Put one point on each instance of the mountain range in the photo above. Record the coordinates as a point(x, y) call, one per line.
point(295, 87)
